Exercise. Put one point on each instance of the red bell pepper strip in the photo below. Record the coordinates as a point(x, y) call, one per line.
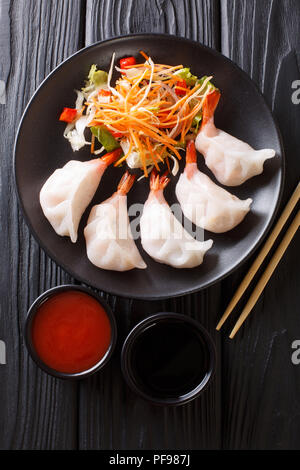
point(116, 134)
point(104, 92)
point(68, 115)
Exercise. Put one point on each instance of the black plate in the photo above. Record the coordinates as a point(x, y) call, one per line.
point(40, 148)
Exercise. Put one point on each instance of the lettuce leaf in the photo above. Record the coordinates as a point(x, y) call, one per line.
point(196, 122)
point(192, 80)
point(95, 77)
point(186, 75)
point(209, 83)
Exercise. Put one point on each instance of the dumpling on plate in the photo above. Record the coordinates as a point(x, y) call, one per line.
point(231, 160)
point(205, 203)
point(69, 190)
point(163, 236)
point(108, 236)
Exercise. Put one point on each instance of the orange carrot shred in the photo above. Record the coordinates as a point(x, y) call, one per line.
point(144, 55)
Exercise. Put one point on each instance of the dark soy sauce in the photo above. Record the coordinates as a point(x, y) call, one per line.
point(169, 359)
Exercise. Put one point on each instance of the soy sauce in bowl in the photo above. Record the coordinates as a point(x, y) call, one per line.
point(168, 359)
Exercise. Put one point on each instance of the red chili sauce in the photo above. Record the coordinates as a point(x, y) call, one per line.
point(71, 332)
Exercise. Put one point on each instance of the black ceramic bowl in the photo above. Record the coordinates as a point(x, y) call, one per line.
point(28, 328)
point(130, 369)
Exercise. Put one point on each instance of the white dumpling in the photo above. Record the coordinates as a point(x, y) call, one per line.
point(162, 235)
point(109, 241)
point(205, 203)
point(231, 160)
point(69, 190)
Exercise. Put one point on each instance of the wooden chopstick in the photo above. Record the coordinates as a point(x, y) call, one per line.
point(267, 274)
point(261, 256)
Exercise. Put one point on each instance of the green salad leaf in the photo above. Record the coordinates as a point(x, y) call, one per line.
point(192, 80)
point(95, 77)
point(209, 83)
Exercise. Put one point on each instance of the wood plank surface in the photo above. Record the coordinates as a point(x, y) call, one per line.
point(110, 415)
point(36, 411)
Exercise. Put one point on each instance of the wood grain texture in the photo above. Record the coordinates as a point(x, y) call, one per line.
point(193, 19)
point(261, 396)
point(36, 411)
point(110, 415)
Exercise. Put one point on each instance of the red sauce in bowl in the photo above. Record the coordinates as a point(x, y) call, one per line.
point(71, 332)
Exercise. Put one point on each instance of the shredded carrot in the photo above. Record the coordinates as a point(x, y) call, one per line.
point(161, 153)
point(195, 110)
point(150, 149)
point(121, 160)
point(174, 151)
point(168, 164)
point(135, 66)
point(140, 147)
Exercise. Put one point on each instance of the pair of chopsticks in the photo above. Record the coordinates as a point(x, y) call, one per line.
point(259, 260)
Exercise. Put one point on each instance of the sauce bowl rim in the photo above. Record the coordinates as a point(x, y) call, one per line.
point(135, 333)
point(33, 310)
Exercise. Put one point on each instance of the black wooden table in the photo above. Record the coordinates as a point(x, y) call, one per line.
point(254, 401)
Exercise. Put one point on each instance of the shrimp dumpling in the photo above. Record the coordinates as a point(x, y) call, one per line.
point(108, 236)
point(69, 190)
point(205, 203)
point(162, 235)
point(231, 160)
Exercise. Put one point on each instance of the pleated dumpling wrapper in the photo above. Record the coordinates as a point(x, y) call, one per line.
point(205, 203)
point(231, 160)
point(69, 190)
point(108, 236)
point(163, 237)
